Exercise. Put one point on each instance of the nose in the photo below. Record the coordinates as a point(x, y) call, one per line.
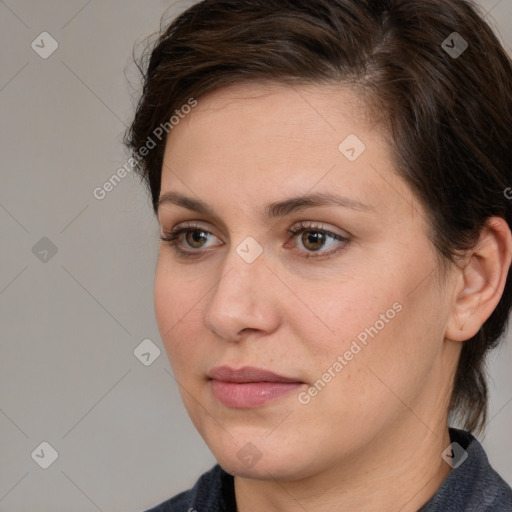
point(242, 302)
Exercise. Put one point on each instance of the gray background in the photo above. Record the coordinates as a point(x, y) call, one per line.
point(71, 321)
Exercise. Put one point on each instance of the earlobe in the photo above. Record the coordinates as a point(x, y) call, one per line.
point(481, 281)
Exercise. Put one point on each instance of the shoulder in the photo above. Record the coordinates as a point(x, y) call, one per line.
point(473, 485)
point(213, 492)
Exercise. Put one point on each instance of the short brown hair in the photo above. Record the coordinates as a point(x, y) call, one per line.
point(449, 115)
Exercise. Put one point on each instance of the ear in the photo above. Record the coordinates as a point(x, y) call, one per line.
point(481, 281)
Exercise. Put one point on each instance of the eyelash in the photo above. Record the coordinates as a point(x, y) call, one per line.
point(172, 237)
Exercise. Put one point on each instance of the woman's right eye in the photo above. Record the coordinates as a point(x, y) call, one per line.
point(188, 240)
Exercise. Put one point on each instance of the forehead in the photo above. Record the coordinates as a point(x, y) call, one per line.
point(320, 107)
point(260, 140)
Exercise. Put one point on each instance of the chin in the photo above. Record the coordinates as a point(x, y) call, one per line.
point(261, 470)
point(262, 460)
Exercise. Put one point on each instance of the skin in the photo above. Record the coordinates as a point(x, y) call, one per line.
point(383, 418)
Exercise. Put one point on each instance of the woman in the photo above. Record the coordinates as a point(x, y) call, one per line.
point(330, 181)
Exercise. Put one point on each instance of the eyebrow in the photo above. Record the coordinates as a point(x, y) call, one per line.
point(272, 210)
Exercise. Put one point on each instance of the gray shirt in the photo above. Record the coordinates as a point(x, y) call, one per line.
point(472, 486)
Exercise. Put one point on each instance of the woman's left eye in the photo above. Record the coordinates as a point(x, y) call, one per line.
point(317, 240)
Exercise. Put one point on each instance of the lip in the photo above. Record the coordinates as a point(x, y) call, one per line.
point(247, 374)
point(249, 387)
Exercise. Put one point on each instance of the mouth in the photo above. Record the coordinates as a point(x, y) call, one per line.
point(249, 387)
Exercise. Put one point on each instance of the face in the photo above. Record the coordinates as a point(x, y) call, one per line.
point(295, 248)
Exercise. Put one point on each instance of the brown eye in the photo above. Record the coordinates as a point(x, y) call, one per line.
point(196, 239)
point(316, 240)
point(313, 240)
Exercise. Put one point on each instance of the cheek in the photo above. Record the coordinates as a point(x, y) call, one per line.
point(178, 311)
point(357, 325)
point(383, 352)
point(345, 310)
point(174, 294)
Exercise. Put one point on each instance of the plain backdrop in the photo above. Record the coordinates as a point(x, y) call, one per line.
point(76, 273)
